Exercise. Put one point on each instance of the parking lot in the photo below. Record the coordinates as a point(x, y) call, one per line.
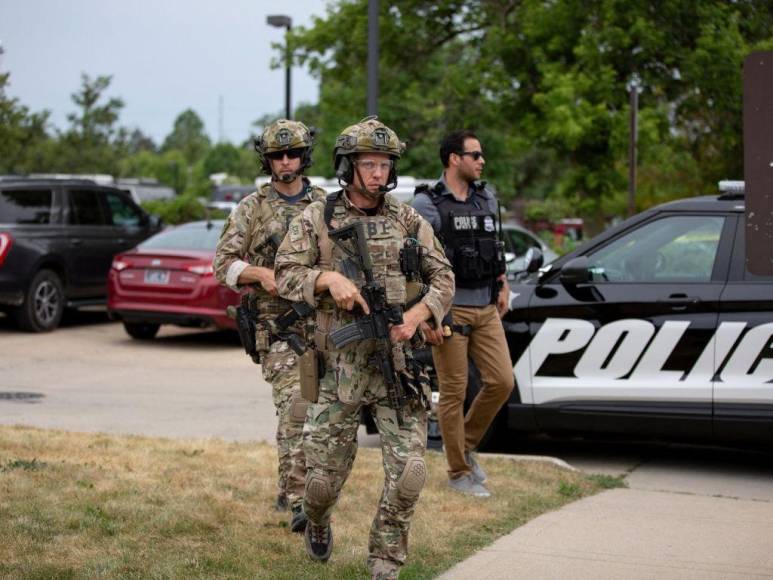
point(90, 375)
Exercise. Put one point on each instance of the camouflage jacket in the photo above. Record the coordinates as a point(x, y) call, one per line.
point(247, 237)
point(307, 251)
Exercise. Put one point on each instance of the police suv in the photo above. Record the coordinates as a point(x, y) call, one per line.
point(654, 328)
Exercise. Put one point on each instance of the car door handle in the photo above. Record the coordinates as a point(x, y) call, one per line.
point(75, 242)
point(679, 301)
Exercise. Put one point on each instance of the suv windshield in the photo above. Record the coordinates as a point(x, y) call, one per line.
point(25, 206)
point(189, 237)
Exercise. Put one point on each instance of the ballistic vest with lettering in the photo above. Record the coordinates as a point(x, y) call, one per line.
point(469, 235)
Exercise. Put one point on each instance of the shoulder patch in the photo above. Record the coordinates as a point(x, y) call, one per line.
point(295, 231)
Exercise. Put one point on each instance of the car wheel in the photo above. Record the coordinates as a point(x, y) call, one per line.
point(141, 330)
point(43, 303)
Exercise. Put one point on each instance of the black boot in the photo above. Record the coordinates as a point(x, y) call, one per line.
point(319, 542)
point(281, 503)
point(298, 520)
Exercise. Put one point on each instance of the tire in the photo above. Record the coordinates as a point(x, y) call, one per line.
point(43, 303)
point(141, 330)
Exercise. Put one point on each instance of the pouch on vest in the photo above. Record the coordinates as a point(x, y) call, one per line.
point(308, 366)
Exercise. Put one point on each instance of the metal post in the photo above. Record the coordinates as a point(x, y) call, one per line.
point(284, 21)
point(288, 98)
point(373, 53)
point(634, 88)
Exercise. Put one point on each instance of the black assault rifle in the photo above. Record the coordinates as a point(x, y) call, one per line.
point(376, 324)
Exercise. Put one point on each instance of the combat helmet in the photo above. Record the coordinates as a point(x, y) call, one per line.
point(368, 136)
point(285, 135)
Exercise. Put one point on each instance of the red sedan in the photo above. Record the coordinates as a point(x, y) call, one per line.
point(168, 279)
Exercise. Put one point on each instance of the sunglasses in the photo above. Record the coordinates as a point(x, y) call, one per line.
point(474, 154)
point(291, 154)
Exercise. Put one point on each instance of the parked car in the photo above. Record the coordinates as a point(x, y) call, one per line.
point(225, 197)
point(168, 279)
point(653, 329)
point(142, 190)
point(57, 240)
point(518, 240)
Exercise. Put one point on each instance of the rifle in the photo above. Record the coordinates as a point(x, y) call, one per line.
point(376, 324)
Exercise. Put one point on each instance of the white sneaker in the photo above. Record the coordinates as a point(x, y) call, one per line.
point(477, 470)
point(466, 484)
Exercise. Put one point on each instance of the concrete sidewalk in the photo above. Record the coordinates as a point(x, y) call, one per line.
point(676, 525)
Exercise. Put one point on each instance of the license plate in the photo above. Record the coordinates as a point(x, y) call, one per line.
point(157, 276)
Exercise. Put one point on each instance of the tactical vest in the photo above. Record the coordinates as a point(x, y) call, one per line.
point(269, 228)
point(469, 235)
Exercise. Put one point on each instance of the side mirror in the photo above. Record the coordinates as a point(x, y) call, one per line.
point(533, 259)
point(509, 257)
point(155, 222)
point(575, 272)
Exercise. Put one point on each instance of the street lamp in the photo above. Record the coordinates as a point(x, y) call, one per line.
point(634, 86)
point(283, 21)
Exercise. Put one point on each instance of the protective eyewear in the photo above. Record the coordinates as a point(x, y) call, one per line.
point(370, 166)
point(474, 154)
point(291, 154)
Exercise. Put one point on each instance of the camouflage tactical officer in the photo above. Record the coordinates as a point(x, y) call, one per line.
point(313, 266)
point(245, 256)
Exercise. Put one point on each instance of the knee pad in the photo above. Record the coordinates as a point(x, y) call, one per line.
point(412, 479)
point(298, 406)
point(318, 488)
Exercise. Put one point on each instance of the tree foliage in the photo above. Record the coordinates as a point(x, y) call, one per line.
point(188, 136)
point(544, 85)
point(23, 134)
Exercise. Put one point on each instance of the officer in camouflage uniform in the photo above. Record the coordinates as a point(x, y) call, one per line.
point(309, 266)
point(245, 256)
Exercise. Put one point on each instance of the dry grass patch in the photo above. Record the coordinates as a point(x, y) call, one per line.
point(82, 505)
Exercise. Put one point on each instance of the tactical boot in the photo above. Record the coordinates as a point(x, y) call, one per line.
point(281, 503)
point(477, 471)
point(466, 484)
point(298, 520)
point(319, 541)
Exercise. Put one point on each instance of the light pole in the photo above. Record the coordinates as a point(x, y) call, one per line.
point(372, 97)
point(634, 87)
point(283, 21)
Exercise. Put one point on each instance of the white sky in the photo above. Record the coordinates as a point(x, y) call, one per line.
point(164, 56)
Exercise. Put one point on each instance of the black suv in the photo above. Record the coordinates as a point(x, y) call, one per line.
point(57, 241)
point(654, 328)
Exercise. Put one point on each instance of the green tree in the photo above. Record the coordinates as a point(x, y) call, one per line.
point(24, 142)
point(188, 136)
point(543, 84)
point(236, 161)
point(93, 143)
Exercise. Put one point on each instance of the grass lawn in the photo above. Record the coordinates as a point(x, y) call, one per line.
point(76, 505)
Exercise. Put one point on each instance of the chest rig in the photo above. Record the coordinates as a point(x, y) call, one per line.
point(268, 229)
point(469, 235)
point(387, 240)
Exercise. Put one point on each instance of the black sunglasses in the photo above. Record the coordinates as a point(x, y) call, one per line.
point(291, 154)
point(474, 154)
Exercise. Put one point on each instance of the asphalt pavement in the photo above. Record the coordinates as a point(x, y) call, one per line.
point(688, 512)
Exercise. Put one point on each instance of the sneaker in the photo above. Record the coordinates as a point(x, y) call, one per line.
point(468, 485)
point(319, 541)
point(281, 503)
point(298, 520)
point(477, 470)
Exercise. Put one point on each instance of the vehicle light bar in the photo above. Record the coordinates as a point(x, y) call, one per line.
point(731, 186)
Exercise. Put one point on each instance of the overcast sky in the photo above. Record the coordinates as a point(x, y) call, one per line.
point(164, 56)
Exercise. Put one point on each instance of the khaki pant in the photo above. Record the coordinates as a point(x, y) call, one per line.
point(487, 347)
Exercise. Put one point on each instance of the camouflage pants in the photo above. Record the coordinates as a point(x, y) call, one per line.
point(331, 445)
point(280, 368)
